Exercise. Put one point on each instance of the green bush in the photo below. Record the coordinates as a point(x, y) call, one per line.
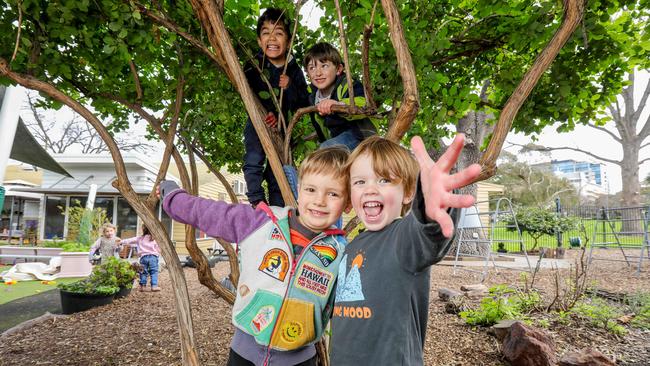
point(639, 304)
point(538, 221)
point(88, 287)
point(96, 218)
point(75, 247)
point(503, 303)
point(114, 272)
point(601, 314)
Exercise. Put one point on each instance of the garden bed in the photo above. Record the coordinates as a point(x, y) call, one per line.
point(136, 330)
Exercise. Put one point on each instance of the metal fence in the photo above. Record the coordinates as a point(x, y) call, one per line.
point(604, 227)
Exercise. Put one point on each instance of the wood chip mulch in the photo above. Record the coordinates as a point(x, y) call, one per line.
point(142, 328)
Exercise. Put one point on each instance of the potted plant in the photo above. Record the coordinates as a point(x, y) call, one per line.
point(501, 248)
point(74, 260)
point(85, 294)
point(115, 272)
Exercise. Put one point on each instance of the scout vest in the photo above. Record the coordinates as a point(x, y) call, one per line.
point(282, 301)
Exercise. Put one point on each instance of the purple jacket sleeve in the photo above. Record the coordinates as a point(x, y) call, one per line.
point(231, 222)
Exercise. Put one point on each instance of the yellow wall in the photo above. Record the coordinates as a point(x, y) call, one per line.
point(16, 172)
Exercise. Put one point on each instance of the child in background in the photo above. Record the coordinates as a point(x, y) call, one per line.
point(330, 87)
point(273, 35)
point(382, 295)
point(149, 253)
point(106, 246)
point(289, 260)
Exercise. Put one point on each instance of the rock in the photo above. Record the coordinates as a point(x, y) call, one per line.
point(455, 305)
point(502, 328)
point(445, 294)
point(585, 357)
point(477, 287)
point(527, 346)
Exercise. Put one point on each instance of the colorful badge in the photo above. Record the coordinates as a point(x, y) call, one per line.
point(291, 331)
point(275, 264)
point(275, 234)
point(313, 279)
point(325, 253)
point(262, 319)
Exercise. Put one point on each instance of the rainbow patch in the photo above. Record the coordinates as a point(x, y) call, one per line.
point(325, 253)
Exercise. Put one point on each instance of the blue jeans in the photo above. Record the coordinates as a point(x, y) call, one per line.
point(150, 264)
point(349, 139)
point(256, 170)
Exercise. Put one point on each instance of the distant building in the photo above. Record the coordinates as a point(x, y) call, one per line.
point(588, 178)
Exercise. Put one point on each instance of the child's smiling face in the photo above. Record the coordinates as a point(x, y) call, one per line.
point(273, 41)
point(376, 200)
point(323, 73)
point(109, 232)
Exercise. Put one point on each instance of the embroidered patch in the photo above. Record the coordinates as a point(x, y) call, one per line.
point(275, 234)
point(262, 319)
point(275, 264)
point(291, 331)
point(325, 253)
point(314, 280)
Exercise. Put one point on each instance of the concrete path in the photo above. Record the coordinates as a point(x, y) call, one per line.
point(513, 262)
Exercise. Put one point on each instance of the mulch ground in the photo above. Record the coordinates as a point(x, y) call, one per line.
point(142, 328)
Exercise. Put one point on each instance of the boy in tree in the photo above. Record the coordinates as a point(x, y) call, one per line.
point(382, 295)
point(330, 87)
point(289, 260)
point(273, 35)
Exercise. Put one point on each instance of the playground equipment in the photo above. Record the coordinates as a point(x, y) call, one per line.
point(480, 227)
point(625, 229)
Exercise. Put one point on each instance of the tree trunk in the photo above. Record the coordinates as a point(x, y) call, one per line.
point(631, 196)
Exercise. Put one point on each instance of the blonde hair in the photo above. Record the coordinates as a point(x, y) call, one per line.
point(389, 160)
point(329, 160)
point(108, 225)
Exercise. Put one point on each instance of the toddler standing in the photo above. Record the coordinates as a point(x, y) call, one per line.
point(149, 252)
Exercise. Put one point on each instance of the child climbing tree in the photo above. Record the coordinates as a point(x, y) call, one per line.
point(177, 66)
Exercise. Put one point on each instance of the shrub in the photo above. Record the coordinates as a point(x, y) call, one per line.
point(75, 247)
point(114, 272)
point(88, 287)
point(494, 308)
point(639, 304)
point(600, 314)
point(538, 221)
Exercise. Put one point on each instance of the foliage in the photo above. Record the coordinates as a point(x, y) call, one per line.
point(114, 272)
point(89, 287)
point(527, 185)
point(74, 247)
point(601, 314)
point(537, 222)
point(639, 303)
point(76, 214)
point(503, 303)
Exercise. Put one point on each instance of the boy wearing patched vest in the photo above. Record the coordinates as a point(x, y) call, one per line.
point(289, 260)
point(329, 86)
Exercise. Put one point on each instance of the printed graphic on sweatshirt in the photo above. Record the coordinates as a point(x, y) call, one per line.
point(326, 253)
point(314, 280)
point(349, 284)
point(262, 319)
point(275, 264)
point(275, 234)
point(291, 331)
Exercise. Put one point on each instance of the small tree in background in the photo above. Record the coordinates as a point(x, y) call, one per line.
point(537, 222)
point(95, 218)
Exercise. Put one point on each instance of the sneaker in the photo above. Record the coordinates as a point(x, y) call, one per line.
point(142, 288)
point(155, 289)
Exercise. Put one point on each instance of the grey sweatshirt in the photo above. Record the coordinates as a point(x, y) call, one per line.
point(382, 297)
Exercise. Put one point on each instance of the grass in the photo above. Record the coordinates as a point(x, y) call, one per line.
point(26, 288)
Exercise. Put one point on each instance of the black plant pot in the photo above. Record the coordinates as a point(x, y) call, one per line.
point(124, 292)
point(72, 302)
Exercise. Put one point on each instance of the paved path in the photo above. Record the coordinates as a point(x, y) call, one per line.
point(518, 263)
point(26, 308)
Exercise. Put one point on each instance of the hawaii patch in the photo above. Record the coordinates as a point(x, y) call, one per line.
point(325, 253)
point(262, 319)
point(314, 280)
point(275, 234)
point(275, 264)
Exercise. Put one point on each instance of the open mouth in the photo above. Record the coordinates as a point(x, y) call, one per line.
point(372, 209)
point(273, 48)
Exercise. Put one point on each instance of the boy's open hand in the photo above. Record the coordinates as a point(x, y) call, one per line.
point(284, 81)
point(270, 120)
point(438, 184)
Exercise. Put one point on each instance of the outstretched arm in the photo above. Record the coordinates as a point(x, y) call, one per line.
point(438, 184)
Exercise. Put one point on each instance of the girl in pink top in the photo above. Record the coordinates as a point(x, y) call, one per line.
point(149, 252)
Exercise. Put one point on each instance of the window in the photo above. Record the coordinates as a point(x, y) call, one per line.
point(127, 219)
point(239, 187)
point(54, 216)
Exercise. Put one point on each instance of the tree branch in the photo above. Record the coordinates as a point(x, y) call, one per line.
point(346, 57)
point(548, 149)
point(136, 80)
point(603, 129)
point(365, 55)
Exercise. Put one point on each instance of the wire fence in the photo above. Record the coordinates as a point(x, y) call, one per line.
point(604, 227)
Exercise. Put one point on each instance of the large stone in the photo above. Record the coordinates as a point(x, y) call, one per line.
point(446, 293)
point(477, 287)
point(456, 304)
point(585, 357)
point(502, 328)
point(527, 346)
